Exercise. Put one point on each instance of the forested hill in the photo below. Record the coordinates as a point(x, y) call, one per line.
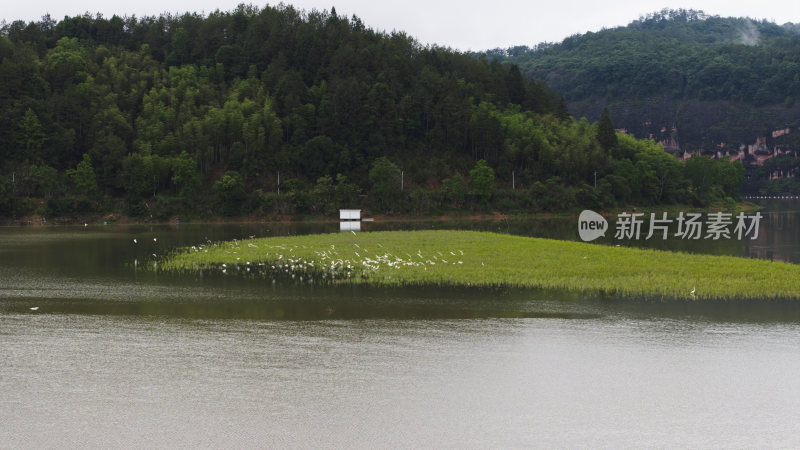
point(720, 82)
point(278, 111)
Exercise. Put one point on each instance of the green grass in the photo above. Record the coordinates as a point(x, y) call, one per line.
point(467, 258)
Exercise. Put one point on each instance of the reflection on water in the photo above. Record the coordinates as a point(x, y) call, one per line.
point(121, 357)
point(781, 241)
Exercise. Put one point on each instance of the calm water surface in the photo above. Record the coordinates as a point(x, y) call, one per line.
point(120, 357)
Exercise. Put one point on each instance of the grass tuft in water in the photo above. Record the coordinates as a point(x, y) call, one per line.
point(468, 258)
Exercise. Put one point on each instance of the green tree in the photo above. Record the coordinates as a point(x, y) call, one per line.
point(323, 195)
point(698, 170)
point(606, 134)
point(454, 190)
point(385, 179)
point(66, 64)
point(185, 176)
point(181, 47)
point(230, 193)
point(31, 136)
point(136, 177)
point(729, 176)
point(83, 176)
point(482, 180)
point(43, 180)
point(346, 193)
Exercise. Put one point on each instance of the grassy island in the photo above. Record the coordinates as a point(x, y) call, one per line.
point(467, 258)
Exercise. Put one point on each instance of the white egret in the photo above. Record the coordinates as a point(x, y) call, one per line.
point(34, 308)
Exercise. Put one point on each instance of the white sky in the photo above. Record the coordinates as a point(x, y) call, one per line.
point(463, 25)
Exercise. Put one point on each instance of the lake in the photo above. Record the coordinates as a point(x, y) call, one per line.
point(118, 356)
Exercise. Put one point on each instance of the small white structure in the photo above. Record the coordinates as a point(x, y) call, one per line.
point(350, 214)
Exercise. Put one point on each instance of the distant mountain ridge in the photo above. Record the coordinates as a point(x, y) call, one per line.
point(694, 82)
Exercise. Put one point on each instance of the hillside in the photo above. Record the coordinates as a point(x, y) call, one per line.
point(696, 83)
point(276, 111)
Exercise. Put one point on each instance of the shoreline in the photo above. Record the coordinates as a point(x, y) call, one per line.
point(120, 219)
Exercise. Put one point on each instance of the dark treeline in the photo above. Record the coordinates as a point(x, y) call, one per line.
point(278, 111)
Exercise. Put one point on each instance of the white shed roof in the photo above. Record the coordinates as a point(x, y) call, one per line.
point(349, 214)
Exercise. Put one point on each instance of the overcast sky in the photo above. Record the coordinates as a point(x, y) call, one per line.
point(463, 25)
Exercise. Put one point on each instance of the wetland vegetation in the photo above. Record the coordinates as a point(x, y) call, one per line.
point(468, 258)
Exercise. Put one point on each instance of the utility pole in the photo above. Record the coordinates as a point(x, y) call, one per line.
point(402, 179)
point(279, 183)
point(595, 179)
point(513, 183)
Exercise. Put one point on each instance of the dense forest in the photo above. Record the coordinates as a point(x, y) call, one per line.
point(274, 111)
point(676, 53)
point(709, 83)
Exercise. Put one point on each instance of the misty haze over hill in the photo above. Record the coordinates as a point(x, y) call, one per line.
point(708, 83)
